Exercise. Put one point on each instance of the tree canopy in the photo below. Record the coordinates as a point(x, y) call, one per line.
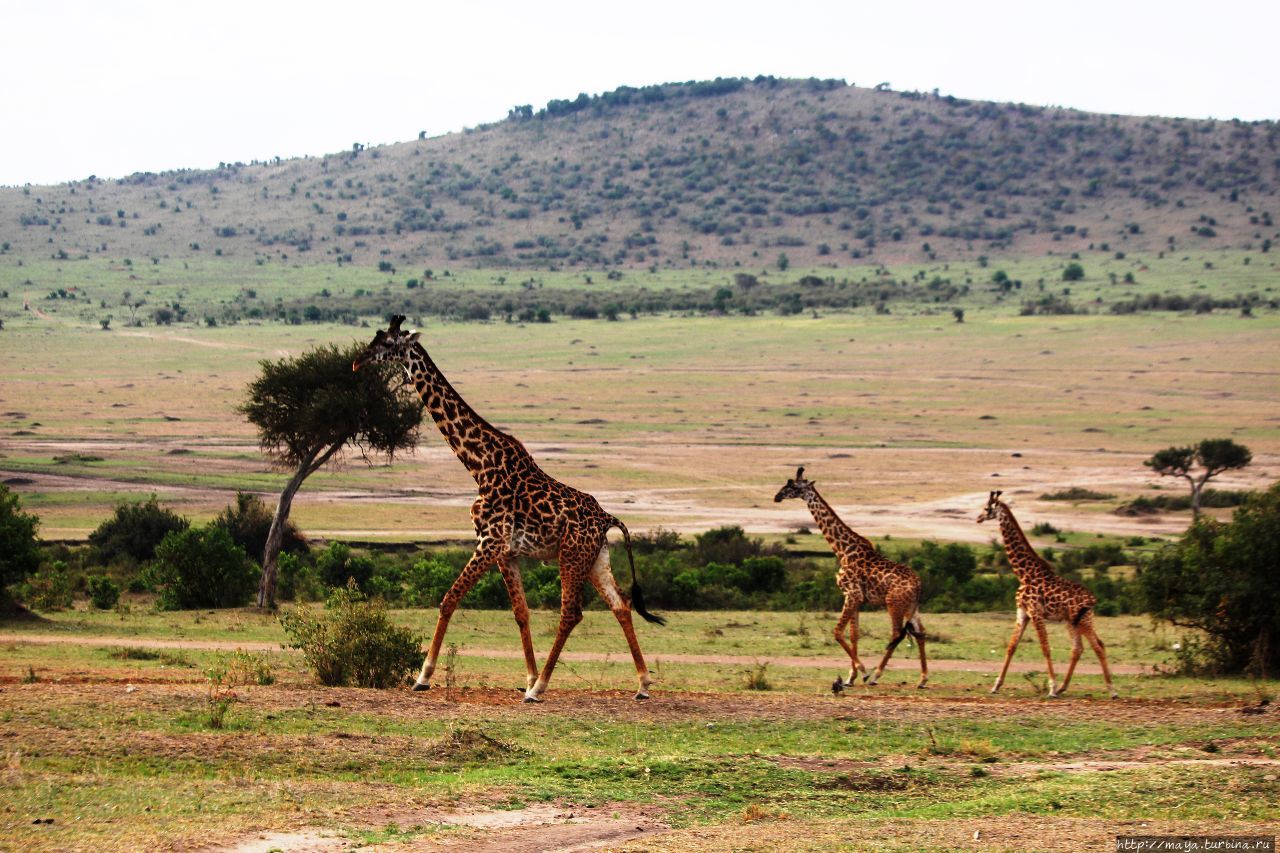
point(309, 408)
point(1212, 455)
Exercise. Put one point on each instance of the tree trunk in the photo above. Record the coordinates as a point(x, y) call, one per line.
point(271, 553)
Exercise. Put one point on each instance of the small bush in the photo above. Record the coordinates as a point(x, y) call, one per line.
point(353, 642)
point(1044, 528)
point(134, 531)
point(1076, 493)
point(249, 523)
point(201, 568)
point(103, 592)
point(297, 579)
point(49, 589)
point(337, 564)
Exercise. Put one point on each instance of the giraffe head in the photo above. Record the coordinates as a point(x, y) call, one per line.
point(797, 487)
point(391, 344)
point(992, 509)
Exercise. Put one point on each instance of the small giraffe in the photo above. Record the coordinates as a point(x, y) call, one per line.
point(520, 512)
point(865, 577)
point(1043, 596)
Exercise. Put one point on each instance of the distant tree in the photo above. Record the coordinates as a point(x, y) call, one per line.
point(958, 313)
point(308, 410)
point(19, 555)
point(1211, 456)
point(783, 261)
point(1072, 272)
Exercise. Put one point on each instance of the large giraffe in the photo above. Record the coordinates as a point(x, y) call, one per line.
point(865, 577)
point(520, 512)
point(1043, 596)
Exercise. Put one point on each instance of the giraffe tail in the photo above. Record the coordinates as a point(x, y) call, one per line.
point(637, 598)
point(1075, 620)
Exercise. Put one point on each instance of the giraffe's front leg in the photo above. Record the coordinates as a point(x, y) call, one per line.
point(476, 567)
point(1013, 647)
point(1043, 633)
point(510, 569)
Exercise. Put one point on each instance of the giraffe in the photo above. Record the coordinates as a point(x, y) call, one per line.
point(520, 512)
point(1043, 596)
point(865, 577)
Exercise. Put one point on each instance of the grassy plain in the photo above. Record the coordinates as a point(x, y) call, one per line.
point(114, 745)
point(681, 422)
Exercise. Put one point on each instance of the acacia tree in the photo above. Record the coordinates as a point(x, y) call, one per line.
point(308, 410)
point(1211, 456)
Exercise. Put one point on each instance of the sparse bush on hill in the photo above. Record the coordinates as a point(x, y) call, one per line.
point(103, 592)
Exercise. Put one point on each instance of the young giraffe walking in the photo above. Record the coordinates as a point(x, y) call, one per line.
point(520, 512)
point(865, 577)
point(1043, 596)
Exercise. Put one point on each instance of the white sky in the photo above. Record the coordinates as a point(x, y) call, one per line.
point(111, 87)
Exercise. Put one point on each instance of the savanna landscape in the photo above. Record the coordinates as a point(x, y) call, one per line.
point(673, 296)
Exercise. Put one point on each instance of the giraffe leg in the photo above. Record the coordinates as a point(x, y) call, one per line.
point(573, 573)
point(849, 618)
point(1090, 633)
point(1013, 647)
point(479, 563)
point(603, 580)
point(1043, 633)
point(520, 609)
point(917, 631)
point(899, 634)
point(1077, 645)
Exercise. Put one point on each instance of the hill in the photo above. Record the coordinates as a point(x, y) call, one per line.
point(723, 173)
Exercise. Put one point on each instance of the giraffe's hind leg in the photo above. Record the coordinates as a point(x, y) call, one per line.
point(485, 555)
point(603, 580)
point(898, 634)
point(1077, 645)
point(1091, 634)
point(916, 627)
point(574, 570)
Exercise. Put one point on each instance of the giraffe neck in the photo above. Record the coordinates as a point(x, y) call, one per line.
point(1023, 559)
point(473, 440)
point(839, 535)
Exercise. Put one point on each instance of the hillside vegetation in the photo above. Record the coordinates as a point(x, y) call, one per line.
point(761, 173)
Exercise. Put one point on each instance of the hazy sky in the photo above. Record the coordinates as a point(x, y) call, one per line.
point(111, 87)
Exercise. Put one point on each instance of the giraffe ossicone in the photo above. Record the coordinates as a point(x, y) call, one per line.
point(865, 576)
point(519, 511)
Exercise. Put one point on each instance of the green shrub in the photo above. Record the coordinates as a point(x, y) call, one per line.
point(298, 579)
point(1222, 579)
point(19, 554)
point(353, 642)
point(103, 592)
point(49, 589)
point(249, 523)
point(202, 568)
point(1076, 493)
point(337, 564)
point(134, 530)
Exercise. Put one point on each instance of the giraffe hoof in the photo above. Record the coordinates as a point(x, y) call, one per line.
point(420, 686)
point(641, 696)
point(532, 700)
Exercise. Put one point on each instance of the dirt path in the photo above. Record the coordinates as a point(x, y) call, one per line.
point(815, 662)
